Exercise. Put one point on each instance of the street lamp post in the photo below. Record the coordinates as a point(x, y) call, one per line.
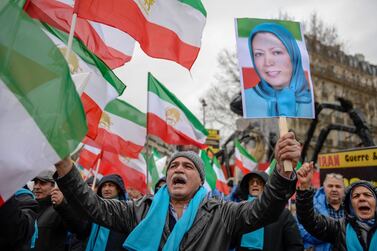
point(204, 104)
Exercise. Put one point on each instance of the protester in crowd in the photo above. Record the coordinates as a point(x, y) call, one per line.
point(159, 184)
point(52, 231)
point(283, 89)
point(99, 238)
point(179, 216)
point(354, 232)
point(328, 201)
point(18, 230)
point(282, 235)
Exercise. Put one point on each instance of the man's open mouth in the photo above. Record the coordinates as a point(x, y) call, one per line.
point(364, 209)
point(179, 180)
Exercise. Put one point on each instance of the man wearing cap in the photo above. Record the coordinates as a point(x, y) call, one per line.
point(180, 216)
point(354, 232)
point(51, 229)
point(281, 235)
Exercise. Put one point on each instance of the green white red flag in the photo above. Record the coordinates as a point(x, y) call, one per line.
point(211, 178)
point(168, 29)
point(156, 166)
point(42, 118)
point(103, 85)
point(244, 161)
point(170, 120)
point(221, 182)
point(111, 45)
point(121, 130)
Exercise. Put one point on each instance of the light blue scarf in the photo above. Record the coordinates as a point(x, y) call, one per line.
point(255, 239)
point(353, 243)
point(283, 102)
point(147, 234)
point(98, 238)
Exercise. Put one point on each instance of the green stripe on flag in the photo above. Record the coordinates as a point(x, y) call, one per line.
point(197, 4)
point(243, 150)
point(90, 58)
point(211, 176)
point(245, 25)
point(33, 68)
point(152, 169)
point(126, 111)
point(161, 91)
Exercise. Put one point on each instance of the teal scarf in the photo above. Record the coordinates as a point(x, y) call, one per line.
point(147, 234)
point(283, 102)
point(255, 239)
point(353, 243)
point(98, 238)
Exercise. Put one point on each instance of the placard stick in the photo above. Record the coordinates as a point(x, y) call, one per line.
point(283, 128)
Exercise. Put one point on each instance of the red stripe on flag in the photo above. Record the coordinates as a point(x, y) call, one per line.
point(155, 40)
point(222, 187)
point(111, 142)
point(93, 115)
point(1, 201)
point(87, 159)
point(250, 77)
point(240, 166)
point(110, 164)
point(159, 128)
point(59, 15)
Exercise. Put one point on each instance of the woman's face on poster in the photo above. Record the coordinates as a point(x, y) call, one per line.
point(272, 60)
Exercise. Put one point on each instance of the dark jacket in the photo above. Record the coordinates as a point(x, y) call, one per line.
point(216, 224)
point(282, 235)
point(52, 231)
point(17, 222)
point(85, 229)
point(325, 228)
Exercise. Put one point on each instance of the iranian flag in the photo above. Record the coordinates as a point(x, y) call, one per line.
point(221, 183)
point(244, 161)
point(132, 170)
point(170, 120)
point(42, 119)
point(121, 130)
point(156, 168)
point(111, 45)
point(168, 29)
point(211, 178)
point(103, 85)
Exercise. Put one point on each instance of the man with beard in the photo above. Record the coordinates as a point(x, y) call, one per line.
point(328, 202)
point(354, 232)
point(181, 216)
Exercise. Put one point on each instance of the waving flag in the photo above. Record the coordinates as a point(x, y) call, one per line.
point(111, 45)
point(170, 120)
point(244, 160)
point(42, 119)
point(221, 183)
point(168, 29)
point(210, 182)
point(103, 85)
point(121, 130)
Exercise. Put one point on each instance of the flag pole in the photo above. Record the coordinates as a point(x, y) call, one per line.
point(147, 139)
point(96, 172)
point(70, 38)
point(283, 128)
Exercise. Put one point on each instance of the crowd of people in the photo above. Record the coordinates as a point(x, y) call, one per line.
point(64, 212)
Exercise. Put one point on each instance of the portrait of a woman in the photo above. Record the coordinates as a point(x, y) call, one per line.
point(283, 89)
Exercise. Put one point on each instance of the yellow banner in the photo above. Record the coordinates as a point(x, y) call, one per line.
point(355, 158)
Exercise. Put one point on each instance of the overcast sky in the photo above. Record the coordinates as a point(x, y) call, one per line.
point(355, 20)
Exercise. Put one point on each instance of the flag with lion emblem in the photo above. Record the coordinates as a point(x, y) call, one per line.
point(170, 120)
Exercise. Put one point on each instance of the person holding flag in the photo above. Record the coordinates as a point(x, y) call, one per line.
point(180, 217)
